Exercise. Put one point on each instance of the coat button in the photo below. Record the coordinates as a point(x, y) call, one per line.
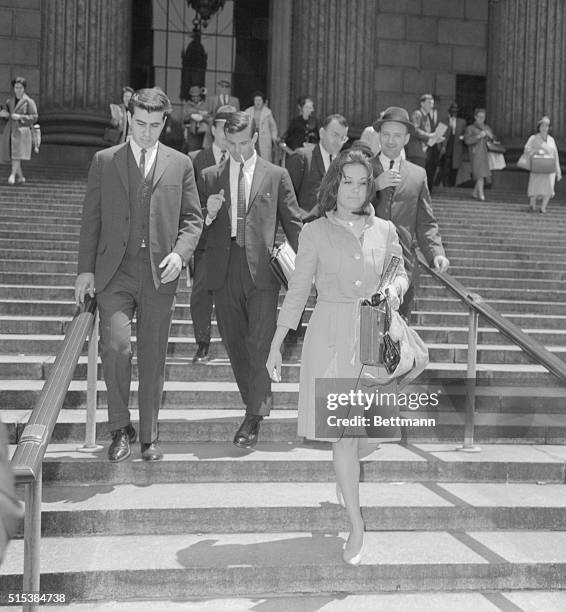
point(358, 283)
point(357, 256)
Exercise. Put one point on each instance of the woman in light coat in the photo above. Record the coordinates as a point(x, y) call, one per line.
point(18, 117)
point(121, 118)
point(476, 136)
point(346, 251)
point(542, 185)
point(265, 126)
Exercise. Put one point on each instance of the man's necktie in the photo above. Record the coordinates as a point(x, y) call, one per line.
point(142, 163)
point(222, 156)
point(241, 209)
point(389, 192)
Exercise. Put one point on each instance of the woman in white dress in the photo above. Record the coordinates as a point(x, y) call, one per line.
point(265, 126)
point(542, 185)
point(346, 251)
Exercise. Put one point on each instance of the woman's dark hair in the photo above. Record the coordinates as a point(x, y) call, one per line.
point(126, 89)
point(328, 192)
point(260, 94)
point(301, 101)
point(20, 80)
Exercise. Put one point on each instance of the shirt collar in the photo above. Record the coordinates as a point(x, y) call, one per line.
point(136, 149)
point(385, 161)
point(331, 216)
point(248, 164)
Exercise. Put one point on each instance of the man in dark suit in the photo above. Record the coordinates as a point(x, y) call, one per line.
point(201, 297)
point(403, 198)
point(308, 165)
point(422, 147)
point(141, 223)
point(452, 149)
point(246, 198)
point(224, 97)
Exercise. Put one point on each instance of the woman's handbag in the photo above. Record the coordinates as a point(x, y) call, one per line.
point(495, 146)
point(543, 162)
point(282, 262)
point(413, 351)
point(524, 162)
point(496, 161)
point(36, 137)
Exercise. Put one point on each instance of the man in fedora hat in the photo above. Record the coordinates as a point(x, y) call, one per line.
point(403, 198)
point(224, 97)
point(452, 149)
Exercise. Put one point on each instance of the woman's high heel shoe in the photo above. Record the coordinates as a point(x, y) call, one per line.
point(354, 560)
point(339, 496)
point(20, 180)
point(11, 179)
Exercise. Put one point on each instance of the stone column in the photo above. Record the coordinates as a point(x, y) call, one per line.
point(334, 57)
point(85, 61)
point(280, 51)
point(525, 76)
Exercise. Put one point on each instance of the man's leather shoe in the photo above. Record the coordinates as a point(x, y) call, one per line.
point(246, 436)
point(151, 452)
point(121, 440)
point(202, 353)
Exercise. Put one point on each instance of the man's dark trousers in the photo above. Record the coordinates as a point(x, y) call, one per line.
point(246, 317)
point(201, 301)
point(132, 289)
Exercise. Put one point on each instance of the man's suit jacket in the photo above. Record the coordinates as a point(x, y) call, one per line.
point(204, 159)
point(216, 102)
point(453, 146)
point(175, 218)
point(411, 211)
point(272, 200)
point(306, 169)
point(416, 147)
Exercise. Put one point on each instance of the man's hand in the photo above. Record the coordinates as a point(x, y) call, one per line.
point(214, 204)
point(440, 263)
point(388, 178)
point(83, 285)
point(172, 264)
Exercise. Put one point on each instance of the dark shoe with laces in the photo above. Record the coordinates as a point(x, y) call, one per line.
point(201, 356)
point(120, 446)
point(151, 451)
point(246, 436)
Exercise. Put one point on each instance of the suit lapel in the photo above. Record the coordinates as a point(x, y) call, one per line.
point(161, 163)
point(317, 159)
point(257, 180)
point(121, 161)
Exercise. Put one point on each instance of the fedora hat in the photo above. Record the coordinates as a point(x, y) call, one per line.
point(394, 113)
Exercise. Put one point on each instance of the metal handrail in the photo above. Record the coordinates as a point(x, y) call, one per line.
point(27, 460)
point(477, 306)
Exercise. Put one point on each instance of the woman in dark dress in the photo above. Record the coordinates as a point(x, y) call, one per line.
point(476, 137)
point(303, 129)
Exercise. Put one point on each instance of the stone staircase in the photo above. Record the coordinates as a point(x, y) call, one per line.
point(224, 529)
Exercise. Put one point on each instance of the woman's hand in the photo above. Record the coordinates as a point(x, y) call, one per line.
point(392, 296)
point(274, 363)
point(15, 116)
point(4, 114)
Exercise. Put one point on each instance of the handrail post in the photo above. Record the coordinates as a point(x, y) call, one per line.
point(469, 446)
point(32, 540)
point(90, 444)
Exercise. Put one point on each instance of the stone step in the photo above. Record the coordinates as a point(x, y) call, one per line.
point(549, 292)
point(424, 317)
point(519, 271)
point(451, 304)
point(50, 229)
point(27, 254)
point(215, 564)
point(127, 509)
point(41, 243)
point(485, 261)
point(303, 461)
point(439, 601)
point(185, 347)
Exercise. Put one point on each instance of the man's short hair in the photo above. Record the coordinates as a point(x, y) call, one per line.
point(238, 122)
point(153, 100)
point(426, 97)
point(335, 117)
